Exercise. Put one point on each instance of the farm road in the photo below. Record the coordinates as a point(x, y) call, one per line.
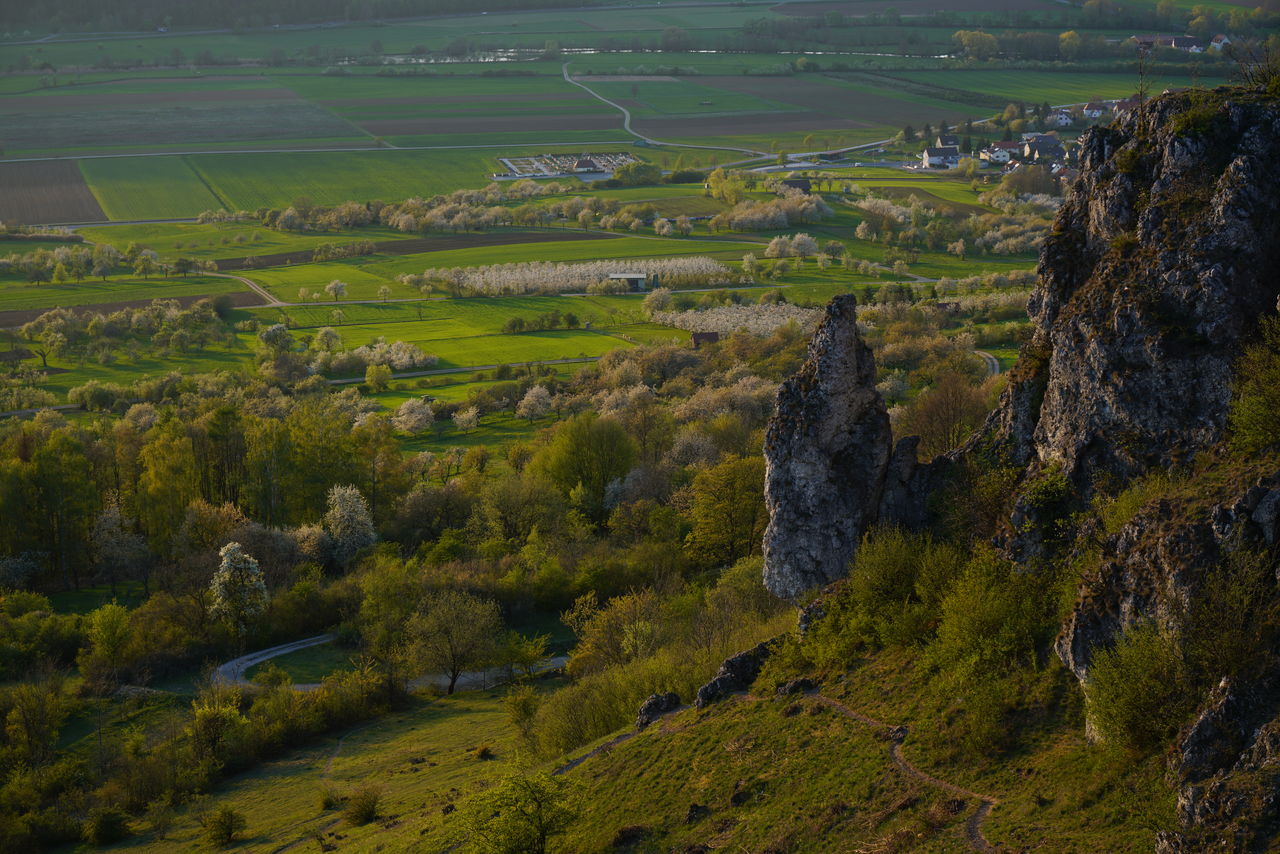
point(626, 121)
point(233, 671)
point(992, 363)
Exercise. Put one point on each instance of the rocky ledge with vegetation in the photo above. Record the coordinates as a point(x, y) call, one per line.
point(1128, 479)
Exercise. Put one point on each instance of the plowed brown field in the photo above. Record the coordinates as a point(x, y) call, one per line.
point(46, 193)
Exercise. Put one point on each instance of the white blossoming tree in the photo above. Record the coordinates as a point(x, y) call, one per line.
point(535, 404)
point(239, 593)
point(413, 416)
point(349, 523)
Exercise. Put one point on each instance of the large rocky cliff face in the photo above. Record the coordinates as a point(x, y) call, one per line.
point(1162, 259)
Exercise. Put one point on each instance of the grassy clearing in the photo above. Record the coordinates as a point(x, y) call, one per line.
point(312, 664)
point(462, 352)
point(421, 756)
point(20, 295)
point(131, 188)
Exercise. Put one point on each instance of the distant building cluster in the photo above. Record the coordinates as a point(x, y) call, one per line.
point(1190, 44)
point(563, 165)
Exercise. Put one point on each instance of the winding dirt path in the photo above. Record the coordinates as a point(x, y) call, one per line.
point(897, 734)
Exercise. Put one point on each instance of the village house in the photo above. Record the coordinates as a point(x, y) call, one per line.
point(1044, 148)
point(1000, 152)
point(941, 157)
point(1062, 118)
point(946, 140)
point(1094, 110)
point(1218, 42)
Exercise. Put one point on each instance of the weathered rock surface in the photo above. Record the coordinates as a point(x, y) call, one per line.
point(1159, 264)
point(655, 707)
point(735, 674)
point(827, 450)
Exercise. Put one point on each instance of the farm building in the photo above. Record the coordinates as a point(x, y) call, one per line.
point(804, 185)
point(943, 157)
point(635, 281)
point(700, 338)
point(586, 164)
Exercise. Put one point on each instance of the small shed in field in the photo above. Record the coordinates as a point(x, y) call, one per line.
point(635, 281)
point(700, 338)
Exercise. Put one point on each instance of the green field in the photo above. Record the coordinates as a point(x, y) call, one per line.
point(312, 664)
point(364, 276)
point(664, 98)
point(224, 239)
point(463, 352)
point(1065, 87)
point(251, 181)
point(130, 188)
point(445, 318)
point(20, 295)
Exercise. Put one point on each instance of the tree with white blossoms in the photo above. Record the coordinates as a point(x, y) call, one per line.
point(349, 523)
point(413, 416)
point(326, 339)
point(335, 289)
point(684, 225)
point(239, 593)
point(779, 247)
point(750, 265)
point(662, 227)
point(803, 245)
point(467, 419)
point(535, 404)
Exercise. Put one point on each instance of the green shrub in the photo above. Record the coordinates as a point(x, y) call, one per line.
point(330, 798)
point(106, 826)
point(1254, 417)
point(1135, 695)
point(223, 826)
point(993, 618)
point(362, 806)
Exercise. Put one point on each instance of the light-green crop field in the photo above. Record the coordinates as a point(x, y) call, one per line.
point(21, 295)
point(252, 181)
point(482, 350)
point(132, 188)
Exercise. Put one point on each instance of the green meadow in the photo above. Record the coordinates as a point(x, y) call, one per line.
point(21, 295)
point(131, 188)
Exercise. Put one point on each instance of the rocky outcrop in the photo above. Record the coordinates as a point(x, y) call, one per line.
point(736, 674)
point(656, 707)
point(1159, 264)
point(827, 450)
point(832, 468)
point(1155, 564)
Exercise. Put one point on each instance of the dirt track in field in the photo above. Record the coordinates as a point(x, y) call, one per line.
point(50, 192)
point(424, 244)
point(491, 124)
